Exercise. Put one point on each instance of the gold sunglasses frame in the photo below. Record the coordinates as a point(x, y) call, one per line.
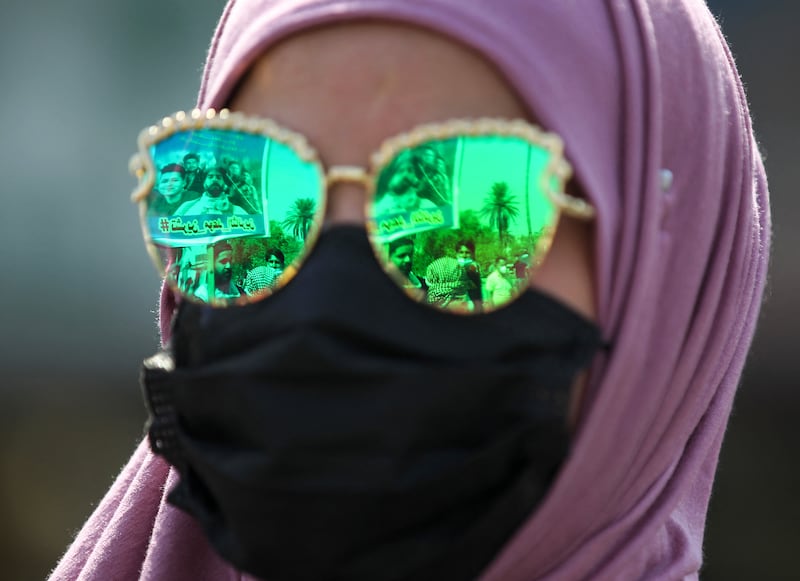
point(142, 165)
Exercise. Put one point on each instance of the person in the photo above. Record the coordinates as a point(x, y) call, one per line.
point(266, 276)
point(224, 287)
point(171, 192)
point(435, 183)
point(189, 271)
point(241, 190)
point(403, 192)
point(499, 287)
point(670, 274)
point(401, 255)
point(276, 260)
point(465, 254)
point(449, 282)
point(194, 175)
point(521, 267)
point(214, 199)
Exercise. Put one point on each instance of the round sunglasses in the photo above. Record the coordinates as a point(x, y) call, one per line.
point(459, 214)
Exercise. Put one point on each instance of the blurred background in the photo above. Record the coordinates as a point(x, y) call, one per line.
point(79, 79)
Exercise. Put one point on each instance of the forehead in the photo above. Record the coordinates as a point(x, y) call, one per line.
point(406, 76)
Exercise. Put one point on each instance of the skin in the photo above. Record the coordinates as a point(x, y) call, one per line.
point(404, 179)
point(171, 184)
point(190, 165)
point(222, 265)
point(405, 76)
point(464, 253)
point(235, 172)
point(401, 258)
point(275, 262)
point(214, 184)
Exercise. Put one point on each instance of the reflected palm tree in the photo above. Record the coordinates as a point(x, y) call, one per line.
point(300, 217)
point(528, 196)
point(500, 209)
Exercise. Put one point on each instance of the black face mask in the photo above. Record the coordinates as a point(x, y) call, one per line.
point(339, 431)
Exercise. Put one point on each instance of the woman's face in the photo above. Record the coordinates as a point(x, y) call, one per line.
point(405, 76)
point(274, 262)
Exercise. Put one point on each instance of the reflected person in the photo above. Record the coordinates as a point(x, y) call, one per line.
point(214, 199)
point(499, 285)
point(242, 192)
point(224, 287)
point(404, 189)
point(195, 176)
point(401, 254)
point(465, 254)
point(448, 284)
point(189, 271)
point(265, 277)
point(435, 181)
point(170, 192)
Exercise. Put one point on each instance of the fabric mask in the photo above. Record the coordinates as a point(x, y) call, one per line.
point(339, 431)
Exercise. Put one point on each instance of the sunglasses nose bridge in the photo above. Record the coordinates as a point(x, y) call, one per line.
point(341, 174)
point(349, 189)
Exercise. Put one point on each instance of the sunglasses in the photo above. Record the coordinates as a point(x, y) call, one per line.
point(460, 214)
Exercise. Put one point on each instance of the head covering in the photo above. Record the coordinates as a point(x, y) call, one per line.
point(635, 88)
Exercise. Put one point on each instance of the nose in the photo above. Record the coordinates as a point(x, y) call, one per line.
point(347, 196)
point(345, 204)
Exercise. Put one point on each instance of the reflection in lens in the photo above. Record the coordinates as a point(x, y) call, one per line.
point(463, 221)
point(400, 259)
point(230, 212)
point(263, 278)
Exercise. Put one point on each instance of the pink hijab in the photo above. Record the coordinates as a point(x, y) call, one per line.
point(635, 87)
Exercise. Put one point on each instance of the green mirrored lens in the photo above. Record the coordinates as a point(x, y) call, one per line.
point(460, 223)
point(231, 214)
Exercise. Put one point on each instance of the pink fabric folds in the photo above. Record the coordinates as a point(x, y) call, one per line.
point(634, 87)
